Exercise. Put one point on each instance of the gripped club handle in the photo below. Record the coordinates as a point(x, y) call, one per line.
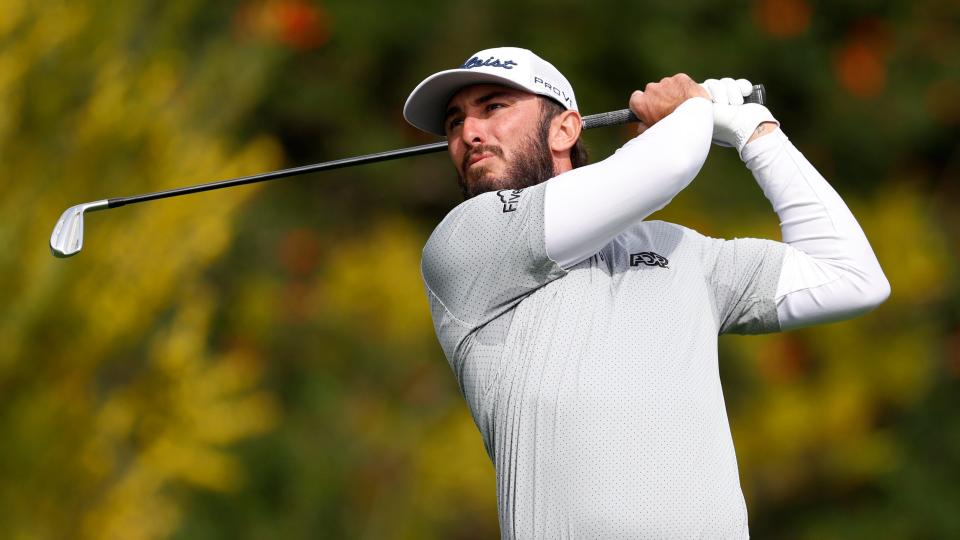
point(624, 116)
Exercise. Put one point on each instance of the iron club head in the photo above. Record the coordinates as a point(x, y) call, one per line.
point(67, 237)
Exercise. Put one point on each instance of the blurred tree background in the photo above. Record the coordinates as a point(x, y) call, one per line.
point(259, 362)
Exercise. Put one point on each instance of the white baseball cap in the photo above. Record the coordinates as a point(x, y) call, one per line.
point(510, 66)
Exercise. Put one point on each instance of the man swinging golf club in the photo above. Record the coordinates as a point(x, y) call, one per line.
point(584, 338)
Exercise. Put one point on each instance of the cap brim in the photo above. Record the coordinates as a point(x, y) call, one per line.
point(427, 104)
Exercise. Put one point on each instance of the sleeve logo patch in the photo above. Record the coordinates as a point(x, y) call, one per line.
point(648, 258)
point(510, 199)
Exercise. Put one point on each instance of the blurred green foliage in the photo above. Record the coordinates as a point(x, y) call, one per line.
point(259, 362)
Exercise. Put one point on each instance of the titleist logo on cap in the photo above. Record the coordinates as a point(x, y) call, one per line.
point(489, 62)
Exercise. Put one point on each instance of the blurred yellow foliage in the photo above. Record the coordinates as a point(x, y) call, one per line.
point(910, 245)
point(822, 391)
point(174, 424)
point(376, 279)
point(430, 462)
point(112, 396)
point(451, 461)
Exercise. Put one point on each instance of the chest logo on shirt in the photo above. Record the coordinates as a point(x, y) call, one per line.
point(648, 258)
point(510, 199)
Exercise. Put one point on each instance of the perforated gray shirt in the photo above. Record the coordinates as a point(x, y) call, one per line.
point(596, 389)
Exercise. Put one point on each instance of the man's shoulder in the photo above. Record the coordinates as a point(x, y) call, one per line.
point(442, 232)
point(473, 216)
point(656, 230)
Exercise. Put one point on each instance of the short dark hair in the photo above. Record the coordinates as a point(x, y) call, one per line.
point(550, 109)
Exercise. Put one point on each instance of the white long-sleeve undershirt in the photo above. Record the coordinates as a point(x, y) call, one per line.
point(584, 209)
point(829, 271)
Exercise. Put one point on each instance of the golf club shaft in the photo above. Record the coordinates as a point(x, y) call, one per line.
point(283, 173)
point(611, 118)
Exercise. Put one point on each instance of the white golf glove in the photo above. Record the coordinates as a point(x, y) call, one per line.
point(733, 120)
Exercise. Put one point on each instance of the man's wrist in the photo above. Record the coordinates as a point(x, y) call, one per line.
point(763, 129)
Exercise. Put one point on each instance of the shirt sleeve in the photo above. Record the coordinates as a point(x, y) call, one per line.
point(742, 277)
point(486, 256)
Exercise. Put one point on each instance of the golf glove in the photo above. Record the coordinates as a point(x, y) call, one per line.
point(733, 120)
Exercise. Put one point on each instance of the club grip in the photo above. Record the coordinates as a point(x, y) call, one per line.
point(625, 116)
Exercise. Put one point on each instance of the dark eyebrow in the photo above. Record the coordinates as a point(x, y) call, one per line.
point(494, 95)
point(450, 112)
point(497, 94)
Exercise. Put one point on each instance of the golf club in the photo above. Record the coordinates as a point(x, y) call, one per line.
point(67, 237)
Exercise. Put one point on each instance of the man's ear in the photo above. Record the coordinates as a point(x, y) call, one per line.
point(564, 131)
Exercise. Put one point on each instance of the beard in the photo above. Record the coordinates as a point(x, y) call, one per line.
point(532, 165)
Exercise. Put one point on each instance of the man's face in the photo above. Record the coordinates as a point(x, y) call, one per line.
point(496, 139)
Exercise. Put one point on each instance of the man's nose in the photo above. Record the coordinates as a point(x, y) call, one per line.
point(474, 130)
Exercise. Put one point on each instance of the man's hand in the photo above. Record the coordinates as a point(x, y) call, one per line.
point(657, 100)
point(736, 123)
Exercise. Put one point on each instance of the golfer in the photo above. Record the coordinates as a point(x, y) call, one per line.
point(583, 337)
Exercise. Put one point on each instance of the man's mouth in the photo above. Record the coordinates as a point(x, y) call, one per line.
point(478, 157)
